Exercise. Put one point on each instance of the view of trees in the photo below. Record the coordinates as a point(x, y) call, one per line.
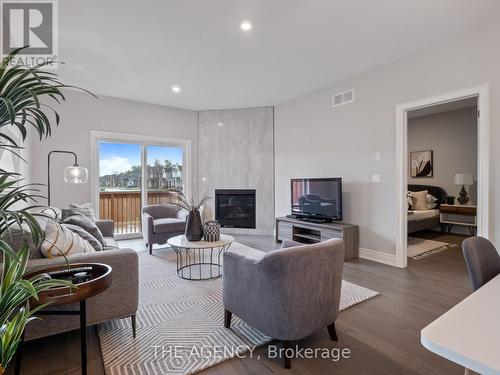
point(160, 175)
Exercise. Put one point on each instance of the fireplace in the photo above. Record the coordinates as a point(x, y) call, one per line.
point(235, 208)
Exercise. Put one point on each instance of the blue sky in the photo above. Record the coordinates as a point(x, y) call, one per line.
point(120, 157)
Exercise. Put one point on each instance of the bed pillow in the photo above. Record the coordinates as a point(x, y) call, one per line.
point(431, 198)
point(409, 199)
point(86, 224)
point(60, 241)
point(420, 200)
point(431, 202)
point(85, 235)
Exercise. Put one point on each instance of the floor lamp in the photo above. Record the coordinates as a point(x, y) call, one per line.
point(72, 175)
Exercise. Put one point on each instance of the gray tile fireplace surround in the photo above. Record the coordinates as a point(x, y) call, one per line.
point(236, 151)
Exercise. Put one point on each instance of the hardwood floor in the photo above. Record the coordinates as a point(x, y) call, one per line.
point(383, 334)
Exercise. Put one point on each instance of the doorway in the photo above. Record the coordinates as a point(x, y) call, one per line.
point(422, 162)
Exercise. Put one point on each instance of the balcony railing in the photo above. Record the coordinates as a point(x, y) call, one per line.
point(124, 208)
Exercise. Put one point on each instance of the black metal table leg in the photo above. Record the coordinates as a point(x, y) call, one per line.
point(83, 335)
point(19, 356)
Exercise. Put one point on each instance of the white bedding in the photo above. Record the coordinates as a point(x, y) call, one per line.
point(419, 215)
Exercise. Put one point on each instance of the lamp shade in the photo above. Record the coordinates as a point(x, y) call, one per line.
point(76, 175)
point(464, 179)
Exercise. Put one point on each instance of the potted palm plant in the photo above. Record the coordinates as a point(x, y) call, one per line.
point(26, 96)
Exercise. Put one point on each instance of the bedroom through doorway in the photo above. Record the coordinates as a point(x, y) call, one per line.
point(442, 194)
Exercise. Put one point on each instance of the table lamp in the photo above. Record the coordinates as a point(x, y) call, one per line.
point(464, 179)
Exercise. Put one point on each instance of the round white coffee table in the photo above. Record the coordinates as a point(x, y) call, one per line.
point(199, 260)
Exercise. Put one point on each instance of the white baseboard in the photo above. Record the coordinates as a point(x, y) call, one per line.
point(377, 256)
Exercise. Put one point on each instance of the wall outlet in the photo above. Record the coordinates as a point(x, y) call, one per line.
point(378, 156)
point(376, 179)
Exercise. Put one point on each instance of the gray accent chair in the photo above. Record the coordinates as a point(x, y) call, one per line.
point(288, 293)
point(482, 259)
point(119, 301)
point(161, 222)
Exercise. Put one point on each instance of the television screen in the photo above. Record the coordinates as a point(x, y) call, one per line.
point(319, 197)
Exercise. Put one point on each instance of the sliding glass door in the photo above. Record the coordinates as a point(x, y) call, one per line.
point(164, 172)
point(132, 175)
point(120, 185)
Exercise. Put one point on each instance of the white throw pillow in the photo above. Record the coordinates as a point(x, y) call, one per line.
point(52, 212)
point(61, 241)
point(431, 198)
point(431, 202)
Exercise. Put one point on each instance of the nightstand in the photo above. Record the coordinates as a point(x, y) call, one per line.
point(457, 214)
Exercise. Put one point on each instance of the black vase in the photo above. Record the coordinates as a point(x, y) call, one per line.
point(194, 226)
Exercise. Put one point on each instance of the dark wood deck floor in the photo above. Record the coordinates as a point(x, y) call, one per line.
point(383, 334)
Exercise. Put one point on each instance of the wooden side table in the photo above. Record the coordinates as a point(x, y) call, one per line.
point(456, 214)
point(100, 280)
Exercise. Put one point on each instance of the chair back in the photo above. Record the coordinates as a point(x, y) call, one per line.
point(311, 275)
point(482, 259)
point(161, 211)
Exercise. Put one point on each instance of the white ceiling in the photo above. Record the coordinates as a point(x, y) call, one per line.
point(139, 49)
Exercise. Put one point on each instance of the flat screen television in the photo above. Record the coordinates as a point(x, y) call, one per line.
point(317, 198)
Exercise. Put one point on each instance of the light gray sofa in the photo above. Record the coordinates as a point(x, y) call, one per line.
point(286, 294)
point(119, 301)
point(161, 222)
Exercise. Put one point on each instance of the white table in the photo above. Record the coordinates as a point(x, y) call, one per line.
point(469, 333)
point(199, 260)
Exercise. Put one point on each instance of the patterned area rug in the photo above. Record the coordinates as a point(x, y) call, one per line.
point(420, 248)
point(180, 323)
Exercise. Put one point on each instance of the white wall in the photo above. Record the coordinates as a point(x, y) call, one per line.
point(452, 136)
point(11, 163)
point(312, 139)
point(83, 113)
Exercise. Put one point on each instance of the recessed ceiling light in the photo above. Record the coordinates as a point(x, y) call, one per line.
point(245, 26)
point(221, 124)
point(176, 89)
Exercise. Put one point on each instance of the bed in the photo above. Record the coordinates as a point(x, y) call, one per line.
point(421, 220)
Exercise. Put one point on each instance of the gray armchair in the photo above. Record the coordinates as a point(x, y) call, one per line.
point(482, 259)
point(160, 222)
point(286, 294)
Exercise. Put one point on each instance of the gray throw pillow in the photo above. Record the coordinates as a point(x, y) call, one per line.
point(67, 212)
point(85, 235)
point(86, 224)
